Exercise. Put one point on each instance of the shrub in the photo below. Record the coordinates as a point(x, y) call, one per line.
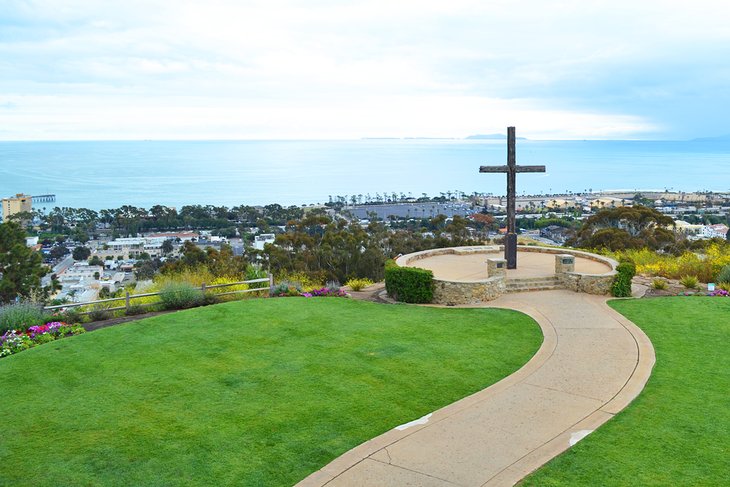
point(305, 281)
point(689, 281)
point(72, 315)
point(180, 295)
point(409, 284)
point(135, 310)
point(725, 286)
point(659, 284)
point(286, 288)
point(358, 284)
point(706, 267)
point(21, 316)
point(213, 298)
point(213, 294)
point(724, 275)
point(195, 277)
point(332, 286)
point(256, 272)
point(99, 312)
point(621, 287)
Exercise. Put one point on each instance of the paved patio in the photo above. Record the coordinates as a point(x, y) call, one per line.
point(473, 267)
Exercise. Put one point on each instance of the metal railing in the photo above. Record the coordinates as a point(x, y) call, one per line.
point(127, 298)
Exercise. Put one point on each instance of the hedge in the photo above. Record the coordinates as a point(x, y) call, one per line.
point(625, 271)
point(408, 284)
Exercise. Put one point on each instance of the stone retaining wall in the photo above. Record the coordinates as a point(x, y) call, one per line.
point(451, 293)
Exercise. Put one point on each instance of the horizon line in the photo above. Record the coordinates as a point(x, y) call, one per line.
point(469, 138)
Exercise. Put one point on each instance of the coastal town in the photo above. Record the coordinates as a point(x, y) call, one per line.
point(364, 243)
point(99, 262)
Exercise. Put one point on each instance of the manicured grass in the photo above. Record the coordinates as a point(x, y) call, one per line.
point(257, 392)
point(677, 432)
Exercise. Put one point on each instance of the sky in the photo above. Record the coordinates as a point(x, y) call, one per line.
point(314, 69)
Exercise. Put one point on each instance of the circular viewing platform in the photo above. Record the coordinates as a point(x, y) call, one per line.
point(470, 275)
point(467, 267)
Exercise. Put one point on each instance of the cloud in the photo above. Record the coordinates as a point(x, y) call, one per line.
point(296, 69)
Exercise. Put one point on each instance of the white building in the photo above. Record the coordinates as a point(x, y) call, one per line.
point(126, 243)
point(113, 282)
point(714, 231)
point(82, 270)
point(263, 239)
point(81, 279)
point(135, 246)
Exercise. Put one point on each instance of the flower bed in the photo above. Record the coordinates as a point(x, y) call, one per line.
point(720, 292)
point(325, 292)
point(291, 289)
point(14, 341)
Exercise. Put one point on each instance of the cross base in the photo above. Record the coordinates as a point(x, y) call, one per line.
point(510, 250)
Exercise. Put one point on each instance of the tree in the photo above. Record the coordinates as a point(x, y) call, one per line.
point(626, 228)
point(95, 260)
point(166, 246)
point(80, 235)
point(81, 253)
point(483, 220)
point(58, 251)
point(21, 268)
point(147, 269)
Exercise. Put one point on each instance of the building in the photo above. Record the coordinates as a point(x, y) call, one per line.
point(691, 231)
point(263, 239)
point(81, 271)
point(80, 281)
point(714, 231)
point(134, 246)
point(16, 204)
point(179, 236)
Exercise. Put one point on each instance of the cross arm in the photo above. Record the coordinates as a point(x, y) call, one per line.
point(493, 169)
point(530, 168)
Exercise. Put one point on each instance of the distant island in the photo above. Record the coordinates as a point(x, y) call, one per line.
point(410, 138)
point(720, 138)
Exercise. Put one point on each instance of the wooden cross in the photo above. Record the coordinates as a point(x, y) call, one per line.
point(510, 243)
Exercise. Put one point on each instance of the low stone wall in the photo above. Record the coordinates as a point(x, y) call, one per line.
point(452, 292)
point(404, 260)
point(587, 283)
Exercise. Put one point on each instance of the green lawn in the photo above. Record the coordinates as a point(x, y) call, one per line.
point(258, 392)
point(677, 432)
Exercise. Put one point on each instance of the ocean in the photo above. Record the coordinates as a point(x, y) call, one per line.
point(110, 174)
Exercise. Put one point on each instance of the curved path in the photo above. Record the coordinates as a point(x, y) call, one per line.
point(593, 363)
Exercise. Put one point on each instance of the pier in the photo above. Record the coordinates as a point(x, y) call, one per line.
point(44, 198)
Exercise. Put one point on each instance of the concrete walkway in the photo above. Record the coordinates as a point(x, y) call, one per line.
point(592, 363)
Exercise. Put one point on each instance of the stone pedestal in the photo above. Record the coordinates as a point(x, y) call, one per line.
point(564, 263)
point(496, 267)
